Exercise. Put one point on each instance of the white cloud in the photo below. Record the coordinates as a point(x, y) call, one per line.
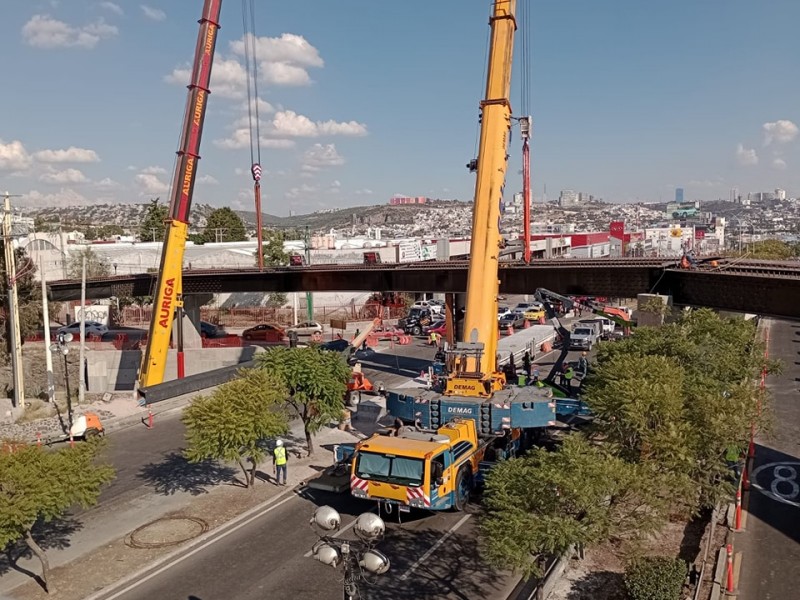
point(240, 138)
point(111, 7)
point(13, 156)
point(228, 78)
point(208, 180)
point(289, 123)
point(154, 170)
point(151, 184)
point(302, 191)
point(363, 192)
point(779, 164)
point(283, 60)
point(71, 154)
point(780, 132)
point(154, 14)
point(63, 197)
point(42, 31)
point(107, 182)
point(65, 176)
point(320, 156)
point(746, 157)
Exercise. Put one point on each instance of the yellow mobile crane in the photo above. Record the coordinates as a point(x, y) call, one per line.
point(449, 436)
point(168, 298)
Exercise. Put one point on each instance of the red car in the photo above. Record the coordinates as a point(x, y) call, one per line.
point(440, 328)
point(264, 333)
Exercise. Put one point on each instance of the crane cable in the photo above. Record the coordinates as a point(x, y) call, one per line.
point(251, 69)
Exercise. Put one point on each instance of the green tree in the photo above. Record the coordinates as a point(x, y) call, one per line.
point(771, 250)
point(96, 266)
point(29, 294)
point(224, 225)
point(232, 423)
point(707, 364)
point(153, 225)
point(37, 486)
point(272, 248)
point(544, 503)
point(316, 381)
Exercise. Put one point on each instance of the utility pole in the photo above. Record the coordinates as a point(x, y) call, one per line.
point(82, 352)
point(309, 295)
point(15, 345)
point(48, 354)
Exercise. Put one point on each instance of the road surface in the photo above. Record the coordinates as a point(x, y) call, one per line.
point(771, 542)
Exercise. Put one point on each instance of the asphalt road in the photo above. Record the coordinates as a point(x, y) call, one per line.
point(771, 542)
point(433, 556)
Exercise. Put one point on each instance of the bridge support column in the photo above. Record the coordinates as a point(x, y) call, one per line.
point(191, 321)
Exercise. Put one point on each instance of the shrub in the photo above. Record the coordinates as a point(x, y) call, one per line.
point(655, 578)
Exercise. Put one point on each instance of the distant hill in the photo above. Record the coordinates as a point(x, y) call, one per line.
point(380, 215)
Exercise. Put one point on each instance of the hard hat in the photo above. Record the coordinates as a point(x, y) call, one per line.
point(279, 443)
point(583, 353)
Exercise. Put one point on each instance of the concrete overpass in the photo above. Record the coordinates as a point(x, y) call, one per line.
point(762, 287)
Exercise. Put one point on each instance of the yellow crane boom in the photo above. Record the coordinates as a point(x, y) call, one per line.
point(475, 369)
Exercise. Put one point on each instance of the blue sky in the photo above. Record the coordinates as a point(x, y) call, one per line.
point(365, 99)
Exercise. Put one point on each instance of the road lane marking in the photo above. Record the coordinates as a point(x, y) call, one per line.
point(136, 579)
point(780, 481)
point(433, 548)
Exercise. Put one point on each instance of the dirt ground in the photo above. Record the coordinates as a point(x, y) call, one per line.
point(599, 576)
point(109, 564)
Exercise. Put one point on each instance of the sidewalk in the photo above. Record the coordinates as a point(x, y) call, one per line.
point(104, 526)
point(770, 542)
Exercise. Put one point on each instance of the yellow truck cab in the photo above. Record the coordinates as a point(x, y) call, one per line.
point(419, 469)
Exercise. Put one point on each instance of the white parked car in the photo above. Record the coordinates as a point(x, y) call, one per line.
point(433, 306)
point(306, 328)
point(502, 311)
point(92, 328)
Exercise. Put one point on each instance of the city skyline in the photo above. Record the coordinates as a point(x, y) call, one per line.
point(352, 115)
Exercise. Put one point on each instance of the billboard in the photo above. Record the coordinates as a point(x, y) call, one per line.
point(409, 252)
point(617, 230)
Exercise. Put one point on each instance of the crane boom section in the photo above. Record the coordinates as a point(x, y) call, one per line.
point(168, 289)
point(482, 279)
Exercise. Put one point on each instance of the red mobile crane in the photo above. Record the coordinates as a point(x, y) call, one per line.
point(169, 294)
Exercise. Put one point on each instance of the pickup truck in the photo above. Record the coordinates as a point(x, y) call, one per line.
point(583, 336)
point(416, 320)
point(607, 326)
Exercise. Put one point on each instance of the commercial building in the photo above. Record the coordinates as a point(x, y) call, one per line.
point(398, 200)
point(679, 195)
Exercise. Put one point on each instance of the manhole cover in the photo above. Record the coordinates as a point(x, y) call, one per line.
point(166, 531)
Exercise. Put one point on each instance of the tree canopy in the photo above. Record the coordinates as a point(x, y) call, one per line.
point(29, 294)
point(39, 485)
point(224, 225)
point(272, 248)
point(96, 266)
point(772, 250)
point(233, 421)
point(668, 404)
point(153, 227)
point(316, 381)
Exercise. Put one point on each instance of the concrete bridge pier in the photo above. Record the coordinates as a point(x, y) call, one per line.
point(191, 321)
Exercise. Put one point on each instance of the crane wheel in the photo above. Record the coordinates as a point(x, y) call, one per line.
point(462, 489)
point(91, 433)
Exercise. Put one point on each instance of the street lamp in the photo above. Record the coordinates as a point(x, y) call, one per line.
point(355, 556)
point(61, 346)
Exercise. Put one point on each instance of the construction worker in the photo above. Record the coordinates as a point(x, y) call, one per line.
point(526, 364)
point(535, 381)
point(583, 365)
point(566, 377)
point(279, 462)
point(434, 339)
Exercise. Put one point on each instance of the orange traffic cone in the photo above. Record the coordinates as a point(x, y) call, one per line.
point(527, 323)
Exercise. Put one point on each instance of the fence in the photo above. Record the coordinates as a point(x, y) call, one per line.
point(135, 316)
